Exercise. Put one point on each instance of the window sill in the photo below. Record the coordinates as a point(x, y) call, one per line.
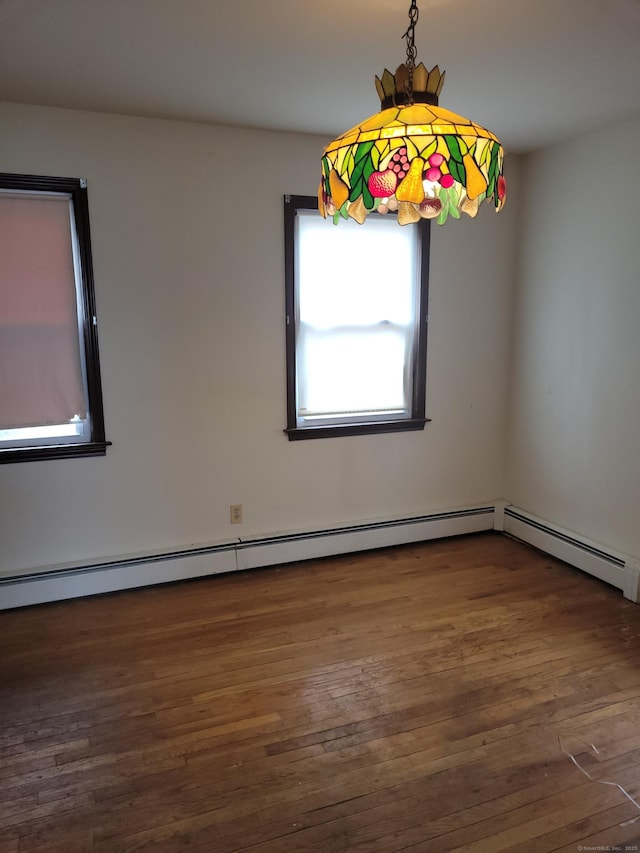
point(53, 451)
point(373, 428)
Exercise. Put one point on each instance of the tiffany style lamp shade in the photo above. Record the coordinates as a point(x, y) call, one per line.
point(413, 156)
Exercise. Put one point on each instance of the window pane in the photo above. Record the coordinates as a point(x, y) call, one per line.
point(353, 372)
point(355, 274)
point(43, 435)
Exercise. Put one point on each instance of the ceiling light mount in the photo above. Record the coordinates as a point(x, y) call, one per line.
point(412, 157)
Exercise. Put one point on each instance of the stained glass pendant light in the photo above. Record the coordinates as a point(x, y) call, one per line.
point(412, 157)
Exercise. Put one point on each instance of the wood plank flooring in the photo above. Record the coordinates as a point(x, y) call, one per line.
point(410, 699)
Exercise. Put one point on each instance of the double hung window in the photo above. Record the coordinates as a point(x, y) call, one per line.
point(50, 391)
point(356, 306)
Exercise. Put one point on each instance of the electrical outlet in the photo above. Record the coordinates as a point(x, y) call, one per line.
point(235, 513)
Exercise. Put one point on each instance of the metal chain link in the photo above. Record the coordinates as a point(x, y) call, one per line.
point(410, 36)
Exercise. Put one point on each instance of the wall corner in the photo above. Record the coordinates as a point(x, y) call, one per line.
point(631, 589)
point(498, 515)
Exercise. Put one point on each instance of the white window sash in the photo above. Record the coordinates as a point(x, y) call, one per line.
point(42, 371)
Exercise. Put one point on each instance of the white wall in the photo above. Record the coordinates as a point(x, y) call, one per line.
point(575, 417)
point(190, 296)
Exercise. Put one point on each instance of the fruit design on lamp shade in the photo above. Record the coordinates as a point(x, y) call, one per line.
point(383, 184)
point(418, 159)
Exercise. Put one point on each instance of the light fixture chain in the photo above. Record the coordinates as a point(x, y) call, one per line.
point(411, 50)
point(410, 36)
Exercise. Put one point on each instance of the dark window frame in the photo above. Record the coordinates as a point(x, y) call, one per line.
point(97, 443)
point(417, 419)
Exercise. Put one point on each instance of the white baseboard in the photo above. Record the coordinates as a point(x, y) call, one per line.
point(62, 582)
point(253, 553)
point(129, 572)
point(618, 570)
point(58, 584)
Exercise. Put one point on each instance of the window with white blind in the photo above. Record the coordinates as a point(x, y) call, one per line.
point(50, 392)
point(356, 306)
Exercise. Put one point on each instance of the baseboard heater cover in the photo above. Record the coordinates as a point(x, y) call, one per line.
point(56, 584)
point(110, 576)
point(618, 570)
point(253, 553)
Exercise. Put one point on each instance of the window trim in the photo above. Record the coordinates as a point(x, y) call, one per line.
point(97, 443)
point(417, 419)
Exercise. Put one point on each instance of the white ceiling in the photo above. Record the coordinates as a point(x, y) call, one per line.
point(533, 71)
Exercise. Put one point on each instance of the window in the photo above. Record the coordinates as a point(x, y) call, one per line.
point(356, 306)
point(50, 393)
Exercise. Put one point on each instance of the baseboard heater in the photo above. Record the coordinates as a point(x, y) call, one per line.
point(618, 570)
point(128, 572)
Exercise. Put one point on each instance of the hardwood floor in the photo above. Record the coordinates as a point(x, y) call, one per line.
point(410, 699)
